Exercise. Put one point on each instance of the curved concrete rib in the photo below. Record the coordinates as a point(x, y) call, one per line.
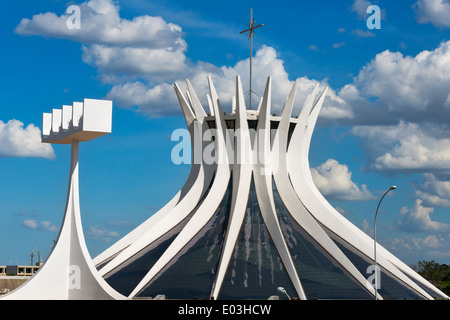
point(288, 169)
point(209, 205)
point(201, 177)
point(293, 204)
point(68, 273)
point(110, 253)
point(262, 175)
point(384, 253)
point(242, 175)
point(194, 115)
point(314, 201)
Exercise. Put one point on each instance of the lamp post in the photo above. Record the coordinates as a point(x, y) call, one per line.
point(375, 239)
point(282, 290)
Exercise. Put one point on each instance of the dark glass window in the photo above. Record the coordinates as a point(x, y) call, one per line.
point(255, 270)
point(191, 272)
point(431, 292)
point(391, 288)
point(127, 276)
point(322, 277)
point(291, 130)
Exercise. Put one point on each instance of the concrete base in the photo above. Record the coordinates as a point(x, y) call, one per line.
point(9, 283)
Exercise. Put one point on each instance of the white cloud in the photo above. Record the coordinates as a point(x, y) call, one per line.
point(153, 101)
point(432, 199)
point(363, 34)
point(429, 247)
point(341, 211)
point(431, 241)
point(155, 64)
point(17, 141)
point(417, 219)
point(30, 223)
point(101, 234)
point(160, 100)
point(393, 87)
point(40, 225)
point(338, 45)
point(435, 12)
point(48, 226)
point(412, 88)
point(144, 46)
point(433, 191)
point(334, 181)
point(143, 65)
point(94, 232)
point(360, 8)
point(405, 147)
point(102, 24)
point(145, 55)
point(368, 229)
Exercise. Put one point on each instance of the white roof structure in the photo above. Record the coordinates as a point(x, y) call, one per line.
point(252, 220)
point(248, 222)
point(69, 272)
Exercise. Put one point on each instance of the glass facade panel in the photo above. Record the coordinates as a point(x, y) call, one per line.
point(255, 270)
point(322, 277)
point(191, 273)
point(128, 275)
point(431, 292)
point(391, 288)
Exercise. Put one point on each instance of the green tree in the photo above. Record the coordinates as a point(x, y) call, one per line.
point(437, 274)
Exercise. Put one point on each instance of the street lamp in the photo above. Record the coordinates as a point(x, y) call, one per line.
point(375, 239)
point(282, 290)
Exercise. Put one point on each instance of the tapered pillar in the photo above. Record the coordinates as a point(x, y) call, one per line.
point(69, 272)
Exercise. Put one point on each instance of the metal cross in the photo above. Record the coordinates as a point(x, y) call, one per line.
point(251, 32)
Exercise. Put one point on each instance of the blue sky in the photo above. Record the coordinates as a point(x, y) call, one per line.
point(385, 121)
